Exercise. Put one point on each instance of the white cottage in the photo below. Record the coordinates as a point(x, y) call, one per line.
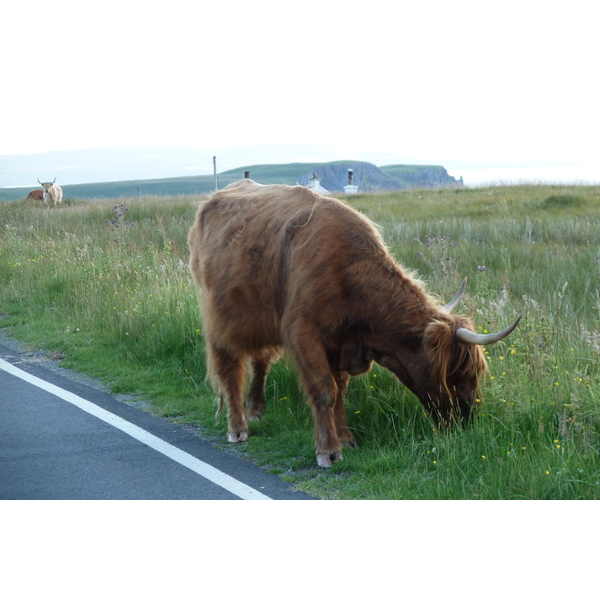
point(315, 186)
point(350, 188)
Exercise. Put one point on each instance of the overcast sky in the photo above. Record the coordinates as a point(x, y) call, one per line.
point(449, 82)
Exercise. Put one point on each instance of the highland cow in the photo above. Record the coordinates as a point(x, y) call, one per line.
point(283, 269)
point(35, 195)
point(52, 192)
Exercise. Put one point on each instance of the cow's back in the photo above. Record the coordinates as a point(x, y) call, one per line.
point(263, 253)
point(35, 195)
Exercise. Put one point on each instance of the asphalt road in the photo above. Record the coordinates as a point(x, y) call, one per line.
point(62, 439)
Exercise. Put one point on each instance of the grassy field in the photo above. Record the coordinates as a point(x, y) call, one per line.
point(106, 288)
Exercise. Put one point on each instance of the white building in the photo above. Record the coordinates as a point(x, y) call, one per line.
point(315, 186)
point(350, 188)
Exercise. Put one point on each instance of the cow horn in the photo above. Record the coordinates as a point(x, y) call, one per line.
point(54, 180)
point(469, 337)
point(454, 302)
point(39, 181)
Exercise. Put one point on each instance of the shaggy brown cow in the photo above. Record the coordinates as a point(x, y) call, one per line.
point(35, 195)
point(283, 268)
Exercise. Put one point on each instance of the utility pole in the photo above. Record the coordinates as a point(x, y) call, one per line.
point(215, 172)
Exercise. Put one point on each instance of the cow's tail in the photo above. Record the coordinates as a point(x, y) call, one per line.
point(212, 381)
point(219, 407)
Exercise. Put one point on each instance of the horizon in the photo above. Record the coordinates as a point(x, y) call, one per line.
point(473, 174)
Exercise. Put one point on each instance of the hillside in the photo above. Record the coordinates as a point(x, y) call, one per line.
point(333, 177)
point(369, 178)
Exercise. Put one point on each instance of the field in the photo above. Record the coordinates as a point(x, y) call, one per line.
point(105, 287)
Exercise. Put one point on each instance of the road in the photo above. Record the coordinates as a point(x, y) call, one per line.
point(62, 439)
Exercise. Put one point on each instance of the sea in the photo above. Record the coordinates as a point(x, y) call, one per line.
point(555, 175)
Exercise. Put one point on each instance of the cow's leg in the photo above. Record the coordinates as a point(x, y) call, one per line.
point(345, 436)
point(261, 363)
point(255, 401)
point(327, 445)
point(321, 387)
point(230, 372)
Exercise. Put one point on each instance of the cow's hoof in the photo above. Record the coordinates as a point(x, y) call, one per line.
point(234, 436)
point(326, 460)
point(255, 413)
point(346, 438)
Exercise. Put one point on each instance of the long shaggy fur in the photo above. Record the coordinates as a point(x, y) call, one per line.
point(282, 268)
point(450, 358)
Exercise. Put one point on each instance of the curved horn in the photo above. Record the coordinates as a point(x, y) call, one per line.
point(469, 337)
point(54, 180)
point(454, 302)
point(39, 181)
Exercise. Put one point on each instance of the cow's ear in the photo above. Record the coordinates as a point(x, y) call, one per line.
point(438, 346)
point(438, 337)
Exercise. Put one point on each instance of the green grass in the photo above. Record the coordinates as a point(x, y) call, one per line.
point(120, 305)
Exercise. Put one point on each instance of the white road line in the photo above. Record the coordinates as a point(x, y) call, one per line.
point(183, 458)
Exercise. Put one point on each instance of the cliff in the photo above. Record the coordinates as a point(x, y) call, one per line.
point(370, 178)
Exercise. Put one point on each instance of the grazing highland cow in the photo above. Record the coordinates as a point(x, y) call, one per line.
point(35, 195)
point(52, 192)
point(284, 269)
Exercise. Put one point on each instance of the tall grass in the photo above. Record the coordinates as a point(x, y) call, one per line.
point(116, 300)
point(118, 303)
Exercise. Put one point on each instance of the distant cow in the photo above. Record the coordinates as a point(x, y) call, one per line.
point(35, 195)
point(52, 192)
point(283, 268)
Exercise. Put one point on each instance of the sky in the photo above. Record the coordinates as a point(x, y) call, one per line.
point(465, 84)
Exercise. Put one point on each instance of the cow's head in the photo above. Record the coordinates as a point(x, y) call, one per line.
point(47, 185)
point(445, 371)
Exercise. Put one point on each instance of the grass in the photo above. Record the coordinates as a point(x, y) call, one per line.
point(119, 304)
